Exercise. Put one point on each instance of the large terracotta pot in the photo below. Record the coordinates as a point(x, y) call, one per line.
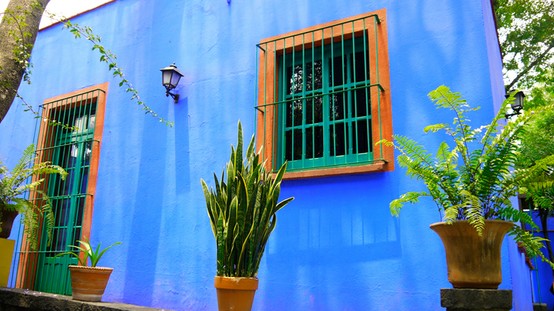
point(235, 293)
point(89, 283)
point(473, 261)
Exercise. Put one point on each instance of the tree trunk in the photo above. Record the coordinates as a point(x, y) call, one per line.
point(18, 31)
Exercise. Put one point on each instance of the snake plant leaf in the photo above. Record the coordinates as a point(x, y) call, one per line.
point(220, 242)
point(238, 154)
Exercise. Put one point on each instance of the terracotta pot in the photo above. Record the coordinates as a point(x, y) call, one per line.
point(473, 261)
point(89, 283)
point(7, 223)
point(234, 293)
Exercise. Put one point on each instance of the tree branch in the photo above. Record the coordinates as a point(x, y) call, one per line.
point(534, 63)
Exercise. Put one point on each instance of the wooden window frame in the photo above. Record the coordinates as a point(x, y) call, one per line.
point(267, 92)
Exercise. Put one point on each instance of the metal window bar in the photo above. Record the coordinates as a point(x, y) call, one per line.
point(347, 138)
point(65, 138)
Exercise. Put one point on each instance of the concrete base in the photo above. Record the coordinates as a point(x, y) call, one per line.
point(462, 299)
point(540, 307)
point(14, 299)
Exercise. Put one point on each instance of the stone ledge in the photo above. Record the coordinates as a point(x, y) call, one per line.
point(15, 299)
point(462, 299)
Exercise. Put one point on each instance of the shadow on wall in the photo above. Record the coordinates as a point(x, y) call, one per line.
point(337, 221)
point(335, 247)
point(144, 231)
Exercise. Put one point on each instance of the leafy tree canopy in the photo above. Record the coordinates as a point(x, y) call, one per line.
point(526, 32)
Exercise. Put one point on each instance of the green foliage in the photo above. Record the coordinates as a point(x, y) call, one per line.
point(242, 210)
point(14, 184)
point(473, 177)
point(537, 152)
point(88, 252)
point(527, 40)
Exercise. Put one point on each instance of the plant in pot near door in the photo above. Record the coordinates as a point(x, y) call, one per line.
point(88, 283)
point(242, 210)
point(471, 180)
point(13, 186)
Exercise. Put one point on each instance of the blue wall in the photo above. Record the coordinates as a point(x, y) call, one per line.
point(542, 276)
point(336, 247)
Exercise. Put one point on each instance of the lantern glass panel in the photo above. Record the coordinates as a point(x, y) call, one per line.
point(166, 77)
point(175, 77)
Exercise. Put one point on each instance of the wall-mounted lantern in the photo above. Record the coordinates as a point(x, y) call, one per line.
point(170, 79)
point(517, 105)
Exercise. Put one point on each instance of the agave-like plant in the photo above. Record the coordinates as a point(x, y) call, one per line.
point(15, 184)
point(473, 178)
point(88, 252)
point(242, 210)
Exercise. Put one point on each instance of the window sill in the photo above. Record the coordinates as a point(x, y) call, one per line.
point(380, 166)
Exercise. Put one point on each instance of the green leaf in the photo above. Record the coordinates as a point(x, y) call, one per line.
point(435, 127)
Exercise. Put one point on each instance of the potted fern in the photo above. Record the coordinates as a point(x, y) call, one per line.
point(88, 283)
point(242, 210)
point(472, 180)
point(14, 184)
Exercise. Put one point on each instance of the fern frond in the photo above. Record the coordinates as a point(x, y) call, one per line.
point(408, 197)
point(533, 244)
point(435, 127)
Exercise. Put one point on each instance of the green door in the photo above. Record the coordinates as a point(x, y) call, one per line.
point(71, 148)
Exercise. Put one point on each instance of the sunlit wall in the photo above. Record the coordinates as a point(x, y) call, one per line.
point(336, 247)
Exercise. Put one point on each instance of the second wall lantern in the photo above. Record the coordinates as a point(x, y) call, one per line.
point(517, 105)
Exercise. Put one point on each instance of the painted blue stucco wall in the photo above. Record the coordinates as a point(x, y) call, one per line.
point(336, 247)
point(542, 277)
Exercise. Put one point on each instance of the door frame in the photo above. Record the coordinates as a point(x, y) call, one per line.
point(28, 260)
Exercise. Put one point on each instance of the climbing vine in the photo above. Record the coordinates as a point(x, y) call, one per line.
point(108, 57)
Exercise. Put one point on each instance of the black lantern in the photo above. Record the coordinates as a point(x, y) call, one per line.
point(170, 79)
point(517, 105)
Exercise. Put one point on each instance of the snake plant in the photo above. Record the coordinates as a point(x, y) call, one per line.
point(473, 178)
point(242, 210)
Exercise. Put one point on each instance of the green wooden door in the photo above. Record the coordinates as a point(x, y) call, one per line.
point(71, 148)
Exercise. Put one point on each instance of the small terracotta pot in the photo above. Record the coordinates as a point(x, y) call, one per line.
point(473, 261)
point(235, 293)
point(89, 283)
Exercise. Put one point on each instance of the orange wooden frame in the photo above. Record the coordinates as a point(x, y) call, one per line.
point(317, 35)
point(28, 259)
